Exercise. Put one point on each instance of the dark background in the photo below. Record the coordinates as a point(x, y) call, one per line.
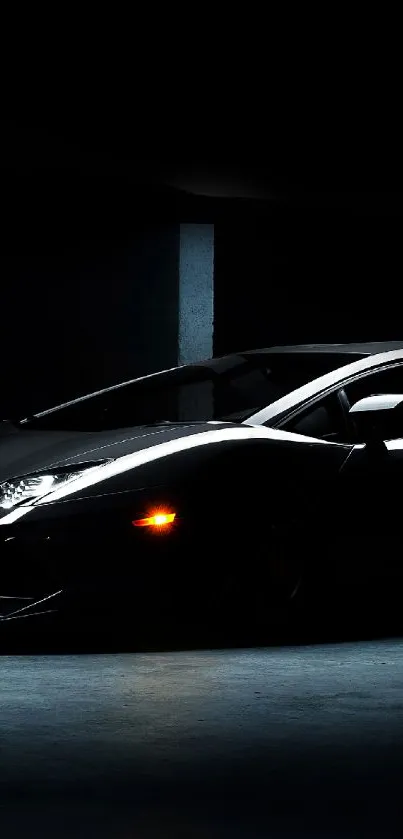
point(302, 177)
point(308, 243)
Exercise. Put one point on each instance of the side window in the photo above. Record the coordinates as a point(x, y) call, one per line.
point(323, 420)
point(385, 381)
point(328, 419)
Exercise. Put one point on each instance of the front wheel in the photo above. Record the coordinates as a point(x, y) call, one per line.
point(259, 593)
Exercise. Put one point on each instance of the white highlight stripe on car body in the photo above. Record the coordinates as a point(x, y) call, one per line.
point(131, 461)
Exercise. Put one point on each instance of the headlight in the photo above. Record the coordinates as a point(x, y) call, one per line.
point(13, 492)
point(29, 487)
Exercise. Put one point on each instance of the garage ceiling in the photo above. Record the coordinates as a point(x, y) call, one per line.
point(304, 158)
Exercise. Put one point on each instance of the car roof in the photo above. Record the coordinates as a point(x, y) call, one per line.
point(361, 349)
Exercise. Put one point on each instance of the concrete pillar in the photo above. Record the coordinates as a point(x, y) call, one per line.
point(196, 292)
point(196, 313)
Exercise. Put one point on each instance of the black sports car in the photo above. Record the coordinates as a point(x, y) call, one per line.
point(223, 492)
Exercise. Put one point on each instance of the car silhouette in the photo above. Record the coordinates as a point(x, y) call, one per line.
point(222, 493)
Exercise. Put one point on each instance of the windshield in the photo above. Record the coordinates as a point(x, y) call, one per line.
point(227, 389)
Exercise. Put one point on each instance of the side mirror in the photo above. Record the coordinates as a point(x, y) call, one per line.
point(378, 418)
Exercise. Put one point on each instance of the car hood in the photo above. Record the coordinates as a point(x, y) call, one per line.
point(25, 451)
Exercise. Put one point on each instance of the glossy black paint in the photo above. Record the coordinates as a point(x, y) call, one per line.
point(260, 514)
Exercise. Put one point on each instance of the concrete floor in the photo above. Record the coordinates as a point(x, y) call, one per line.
point(290, 742)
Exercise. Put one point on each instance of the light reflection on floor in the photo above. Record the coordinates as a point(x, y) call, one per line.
point(269, 742)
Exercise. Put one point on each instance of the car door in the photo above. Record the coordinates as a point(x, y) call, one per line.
point(362, 518)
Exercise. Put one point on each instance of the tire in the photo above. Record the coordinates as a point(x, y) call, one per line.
point(259, 592)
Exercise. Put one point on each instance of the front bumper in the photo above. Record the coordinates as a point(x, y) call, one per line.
point(88, 577)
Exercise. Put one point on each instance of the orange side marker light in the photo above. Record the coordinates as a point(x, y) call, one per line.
point(157, 520)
